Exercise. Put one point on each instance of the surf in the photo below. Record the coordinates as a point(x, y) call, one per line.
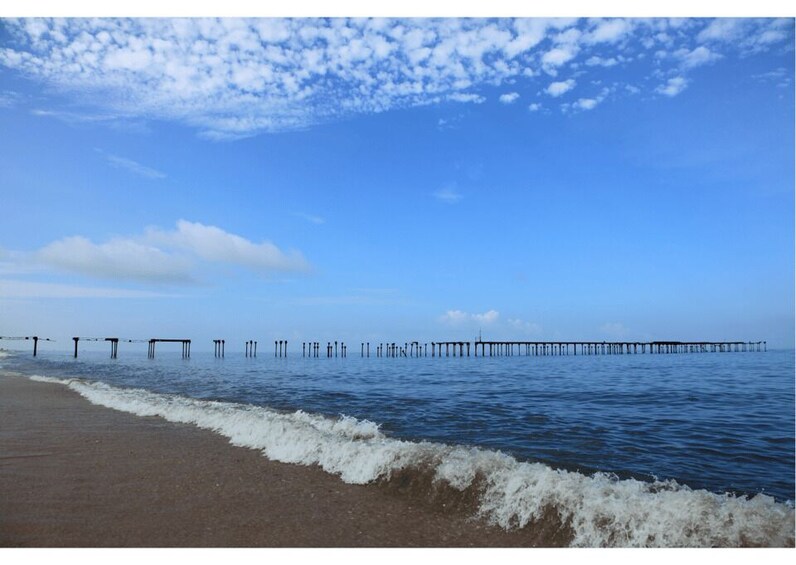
point(598, 510)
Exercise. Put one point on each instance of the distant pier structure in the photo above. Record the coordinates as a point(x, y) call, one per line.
point(35, 339)
point(477, 348)
point(114, 341)
point(186, 346)
point(546, 348)
point(333, 349)
point(481, 348)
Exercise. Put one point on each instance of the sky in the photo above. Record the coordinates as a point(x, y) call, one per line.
point(397, 179)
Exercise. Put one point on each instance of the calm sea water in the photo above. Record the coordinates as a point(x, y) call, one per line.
point(717, 421)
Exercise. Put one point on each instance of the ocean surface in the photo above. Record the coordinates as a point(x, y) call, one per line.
point(678, 449)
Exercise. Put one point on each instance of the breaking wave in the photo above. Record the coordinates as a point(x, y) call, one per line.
point(571, 508)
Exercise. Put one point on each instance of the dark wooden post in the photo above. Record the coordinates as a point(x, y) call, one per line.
point(76, 340)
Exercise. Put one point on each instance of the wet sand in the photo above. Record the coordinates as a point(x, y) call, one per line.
point(73, 474)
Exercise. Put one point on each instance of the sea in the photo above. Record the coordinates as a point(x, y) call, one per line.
point(633, 450)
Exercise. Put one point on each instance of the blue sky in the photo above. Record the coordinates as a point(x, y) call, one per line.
point(397, 179)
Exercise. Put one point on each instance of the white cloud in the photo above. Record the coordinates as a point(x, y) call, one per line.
point(586, 103)
point(596, 61)
point(120, 259)
point(218, 246)
point(590, 103)
point(673, 86)
point(535, 107)
point(489, 317)
point(748, 35)
point(525, 327)
point(556, 89)
point(509, 98)
point(462, 97)
point(559, 55)
point(114, 121)
point(161, 256)
point(311, 218)
point(448, 195)
point(697, 57)
point(459, 318)
point(132, 166)
point(609, 31)
point(722, 29)
point(9, 99)
point(231, 78)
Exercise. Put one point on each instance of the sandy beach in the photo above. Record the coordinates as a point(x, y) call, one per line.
point(73, 474)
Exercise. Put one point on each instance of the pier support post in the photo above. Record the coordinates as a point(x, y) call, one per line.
point(76, 340)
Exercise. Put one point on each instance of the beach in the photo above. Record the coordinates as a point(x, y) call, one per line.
point(73, 474)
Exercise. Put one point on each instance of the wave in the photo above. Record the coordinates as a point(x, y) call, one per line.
point(555, 506)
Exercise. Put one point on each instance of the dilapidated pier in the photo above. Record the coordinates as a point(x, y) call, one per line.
point(35, 339)
point(114, 341)
point(333, 349)
point(454, 348)
point(186, 346)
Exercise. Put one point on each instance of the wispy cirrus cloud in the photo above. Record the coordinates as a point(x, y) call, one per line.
point(311, 218)
point(232, 78)
point(448, 195)
point(117, 122)
point(132, 166)
point(10, 99)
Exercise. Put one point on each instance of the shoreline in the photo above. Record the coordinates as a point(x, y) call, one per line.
point(73, 474)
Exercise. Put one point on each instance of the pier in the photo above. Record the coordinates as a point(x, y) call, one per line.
point(477, 348)
point(333, 349)
point(186, 346)
point(481, 348)
point(34, 338)
point(114, 341)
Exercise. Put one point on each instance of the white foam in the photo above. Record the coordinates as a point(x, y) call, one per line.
point(603, 511)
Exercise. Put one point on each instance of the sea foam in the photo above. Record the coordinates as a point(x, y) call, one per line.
point(598, 510)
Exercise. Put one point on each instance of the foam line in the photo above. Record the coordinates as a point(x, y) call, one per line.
point(600, 509)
